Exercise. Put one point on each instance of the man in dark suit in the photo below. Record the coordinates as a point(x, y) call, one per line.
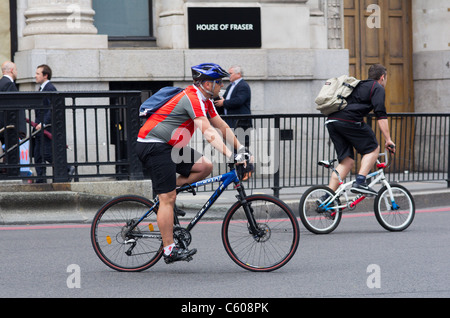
point(7, 84)
point(43, 117)
point(236, 101)
point(9, 71)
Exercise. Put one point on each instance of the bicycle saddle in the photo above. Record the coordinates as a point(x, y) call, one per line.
point(326, 163)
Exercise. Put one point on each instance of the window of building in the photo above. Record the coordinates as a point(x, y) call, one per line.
point(129, 20)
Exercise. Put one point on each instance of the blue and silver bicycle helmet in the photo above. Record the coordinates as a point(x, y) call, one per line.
point(208, 72)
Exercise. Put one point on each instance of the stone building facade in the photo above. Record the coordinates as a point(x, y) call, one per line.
point(302, 43)
point(299, 44)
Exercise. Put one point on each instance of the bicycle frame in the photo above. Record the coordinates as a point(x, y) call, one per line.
point(342, 189)
point(226, 179)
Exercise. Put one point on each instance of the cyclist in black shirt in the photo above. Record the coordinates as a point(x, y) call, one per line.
point(348, 130)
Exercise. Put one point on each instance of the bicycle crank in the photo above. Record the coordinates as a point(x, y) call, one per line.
point(181, 237)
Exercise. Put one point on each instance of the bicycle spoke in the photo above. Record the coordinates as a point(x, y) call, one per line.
point(318, 211)
point(394, 213)
point(272, 247)
point(117, 246)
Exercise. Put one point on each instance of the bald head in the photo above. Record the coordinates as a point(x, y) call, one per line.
point(10, 69)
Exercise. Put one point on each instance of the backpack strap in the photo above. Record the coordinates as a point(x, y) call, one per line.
point(371, 90)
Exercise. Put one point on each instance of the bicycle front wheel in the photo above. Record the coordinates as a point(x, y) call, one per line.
point(117, 246)
point(277, 239)
point(394, 213)
point(317, 213)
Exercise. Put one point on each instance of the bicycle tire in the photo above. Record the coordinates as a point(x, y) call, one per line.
point(317, 220)
point(108, 229)
point(269, 251)
point(394, 218)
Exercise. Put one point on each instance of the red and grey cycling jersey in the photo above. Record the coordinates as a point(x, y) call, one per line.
point(173, 123)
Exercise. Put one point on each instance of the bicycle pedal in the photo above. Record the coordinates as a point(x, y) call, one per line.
point(178, 211)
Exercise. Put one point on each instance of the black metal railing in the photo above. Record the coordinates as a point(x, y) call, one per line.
point(294, 143)
point(95, 132)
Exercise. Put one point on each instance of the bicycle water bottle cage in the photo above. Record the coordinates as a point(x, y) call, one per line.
point(381, 165)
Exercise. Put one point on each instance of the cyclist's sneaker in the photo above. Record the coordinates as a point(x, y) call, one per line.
point(179, 254)
point(322, 199)
point(363, 189)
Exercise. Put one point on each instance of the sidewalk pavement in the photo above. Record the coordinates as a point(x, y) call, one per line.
point(78, 202)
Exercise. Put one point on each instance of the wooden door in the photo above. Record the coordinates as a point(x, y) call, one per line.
point(379, 31)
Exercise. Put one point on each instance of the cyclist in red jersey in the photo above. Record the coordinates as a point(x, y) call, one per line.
point(162, 146)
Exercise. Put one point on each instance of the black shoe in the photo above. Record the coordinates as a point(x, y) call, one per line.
point(362, 189)
point(179, 254)
point(322, 199)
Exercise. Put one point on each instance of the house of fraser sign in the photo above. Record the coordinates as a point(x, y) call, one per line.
point(224, 27)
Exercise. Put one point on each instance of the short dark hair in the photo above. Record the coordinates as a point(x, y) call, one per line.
point(376, 71)
point(46, 70)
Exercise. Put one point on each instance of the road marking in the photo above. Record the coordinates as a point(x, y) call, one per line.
point(76, 226)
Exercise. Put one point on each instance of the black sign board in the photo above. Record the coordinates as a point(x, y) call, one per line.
point(224, 27)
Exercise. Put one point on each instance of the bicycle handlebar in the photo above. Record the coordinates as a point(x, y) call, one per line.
point(244, 170)
point(390, 150)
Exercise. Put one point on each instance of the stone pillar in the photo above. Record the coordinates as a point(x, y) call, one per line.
point(60, 33)
point(171, 31)
point(66, 24)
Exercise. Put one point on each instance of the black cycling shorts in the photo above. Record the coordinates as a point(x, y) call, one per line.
point(348, 135)
point(163, 162)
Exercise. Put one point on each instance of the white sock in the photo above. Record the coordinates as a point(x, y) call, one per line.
point(168, 249)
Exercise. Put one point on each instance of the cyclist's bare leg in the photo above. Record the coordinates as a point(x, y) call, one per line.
point(165, 216)
point(367, 162)
point(200, 170)
point(343, 168)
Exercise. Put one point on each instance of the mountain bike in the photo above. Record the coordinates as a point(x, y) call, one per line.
point(321, 208)
point(259, 232)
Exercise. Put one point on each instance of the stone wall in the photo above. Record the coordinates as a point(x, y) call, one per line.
point(431, 55)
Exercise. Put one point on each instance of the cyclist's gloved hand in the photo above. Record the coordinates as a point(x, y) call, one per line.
point(242, 156)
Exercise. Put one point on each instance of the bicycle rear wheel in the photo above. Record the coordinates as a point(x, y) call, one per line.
point(396, 213)
point(112, 242)
point(276, 242)
point(316, 214)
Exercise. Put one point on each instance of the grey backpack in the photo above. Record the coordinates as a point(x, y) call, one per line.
point(332, 96)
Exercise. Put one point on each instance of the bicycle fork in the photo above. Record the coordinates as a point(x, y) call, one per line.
point(252, 224)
